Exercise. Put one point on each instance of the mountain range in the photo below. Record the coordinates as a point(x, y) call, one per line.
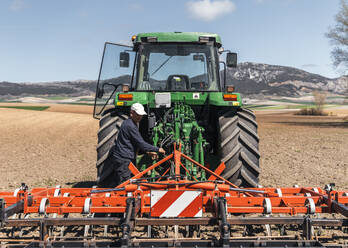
point(248, 79)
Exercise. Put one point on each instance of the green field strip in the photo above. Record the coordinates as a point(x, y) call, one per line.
point(54, 97)
point(86, 100)
point(76, 103)
point(292, 101)
point(36, 108)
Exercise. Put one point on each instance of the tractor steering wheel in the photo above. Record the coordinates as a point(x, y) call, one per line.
point(178, 82)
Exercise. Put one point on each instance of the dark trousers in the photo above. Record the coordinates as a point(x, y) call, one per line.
point(115, 171)
point(121, 170)
point(119, 174)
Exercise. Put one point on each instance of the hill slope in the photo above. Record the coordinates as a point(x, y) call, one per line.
point(252, 78)
point(249, 78)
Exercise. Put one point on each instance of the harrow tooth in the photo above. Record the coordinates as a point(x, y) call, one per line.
point(43, 205)
point(316, 190)
point(87, 205)
point(16, 192)
point(56, 192)
point(310, 205)
point(279, 192)
point(267, 205)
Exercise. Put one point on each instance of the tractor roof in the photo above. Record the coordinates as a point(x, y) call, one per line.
point(178, 37)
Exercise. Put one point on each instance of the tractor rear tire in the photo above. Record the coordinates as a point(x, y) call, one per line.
point(109, 126)
point(239, 147)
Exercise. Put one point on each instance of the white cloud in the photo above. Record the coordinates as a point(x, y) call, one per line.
point(209, 10)
point(17, 5)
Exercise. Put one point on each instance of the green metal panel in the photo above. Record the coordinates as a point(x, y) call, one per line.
point(178, 36)
point(140, 97)
point(190, 98)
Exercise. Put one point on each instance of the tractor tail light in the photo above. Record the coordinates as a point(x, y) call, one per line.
point(230, 97)
point(125, 97)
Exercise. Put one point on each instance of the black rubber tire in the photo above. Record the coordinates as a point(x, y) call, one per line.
point(109, 126)
point(239, 147)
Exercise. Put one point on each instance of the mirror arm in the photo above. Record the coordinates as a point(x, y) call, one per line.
point(224, 74)
point(102, 88)
point(115, 88)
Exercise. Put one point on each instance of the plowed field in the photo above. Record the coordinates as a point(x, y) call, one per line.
point(57, 146)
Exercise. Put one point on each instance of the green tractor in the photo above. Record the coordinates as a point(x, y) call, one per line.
point(178, 78)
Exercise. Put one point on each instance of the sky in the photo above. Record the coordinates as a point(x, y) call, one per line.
point(47, 40)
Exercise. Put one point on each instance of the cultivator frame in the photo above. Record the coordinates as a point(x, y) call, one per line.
point(143, 201)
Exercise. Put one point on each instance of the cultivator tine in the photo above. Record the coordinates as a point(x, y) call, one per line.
point(176, 231)
point(268, 230)
point(26, 216)
point(89, 228)
point(62, 229)
point(248, 230)
point(149, 231)
point(51, 229)
point(106, 228)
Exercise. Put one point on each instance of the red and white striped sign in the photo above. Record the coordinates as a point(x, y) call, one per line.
point(176, 203)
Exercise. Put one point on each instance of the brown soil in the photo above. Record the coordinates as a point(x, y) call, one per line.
point(303, 150)
point(46, 148)
point(57, 146)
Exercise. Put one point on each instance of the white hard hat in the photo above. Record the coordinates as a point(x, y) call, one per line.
point(138, 108)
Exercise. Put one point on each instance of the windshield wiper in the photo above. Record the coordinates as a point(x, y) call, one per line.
point(161, 65)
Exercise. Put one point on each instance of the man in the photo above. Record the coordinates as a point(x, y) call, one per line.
point(129, 140)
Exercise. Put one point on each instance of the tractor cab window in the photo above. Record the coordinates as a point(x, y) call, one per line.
point(177, 67)
point(116, 70)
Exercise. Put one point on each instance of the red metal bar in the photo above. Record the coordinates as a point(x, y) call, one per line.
point(146, 170)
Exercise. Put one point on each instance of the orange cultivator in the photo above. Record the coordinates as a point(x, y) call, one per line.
point(172, 200)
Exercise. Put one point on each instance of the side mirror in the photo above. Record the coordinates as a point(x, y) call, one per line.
point(124, 59)
point(231, 60)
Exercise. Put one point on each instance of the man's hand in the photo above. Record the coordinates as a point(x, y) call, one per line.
point(153, 155)
point(161, 150)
